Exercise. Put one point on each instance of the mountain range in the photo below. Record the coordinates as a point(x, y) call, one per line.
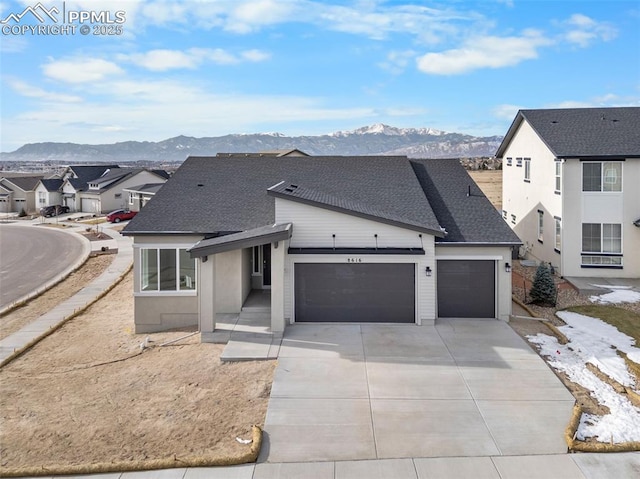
point(377, 139)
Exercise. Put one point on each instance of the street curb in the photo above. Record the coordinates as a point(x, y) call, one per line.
point(86, 252)
point(250, 456)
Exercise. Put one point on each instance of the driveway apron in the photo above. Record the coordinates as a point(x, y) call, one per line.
point(462, 388)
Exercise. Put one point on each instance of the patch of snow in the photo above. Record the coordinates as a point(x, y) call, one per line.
point(617, 296)
point(596, 342)
point(622, 424)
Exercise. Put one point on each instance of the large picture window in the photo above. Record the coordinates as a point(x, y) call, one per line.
point(601, 244)
point(602, 176)
point(167, 269)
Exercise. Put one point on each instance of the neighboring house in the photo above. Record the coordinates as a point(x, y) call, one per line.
point(275, 153)
point(106, 193)
point(76, 180)
point(140, 195)
point(336, 239)
point(571, 188)
point(49, 192)
point(18, 193)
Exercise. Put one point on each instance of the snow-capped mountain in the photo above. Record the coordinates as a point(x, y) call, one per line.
point(377, 139)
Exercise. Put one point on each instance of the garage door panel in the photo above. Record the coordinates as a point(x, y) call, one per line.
point(466, 288)
point(355, 292)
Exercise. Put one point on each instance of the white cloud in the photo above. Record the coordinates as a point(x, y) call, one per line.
point(506, 112)
point(252, 15)
point(583, 31)
point(81, 70)
point(31, 91)
point(484, 52)
point(163, 60)
point(397, 61)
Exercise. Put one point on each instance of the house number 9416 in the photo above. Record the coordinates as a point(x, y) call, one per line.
point(354, 260)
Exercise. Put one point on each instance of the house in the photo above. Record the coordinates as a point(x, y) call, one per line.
point(99, 189)
point(17, 193)
point(571, 190)
point(140, 195)
point(49, 192)
point(337, 239)
point(106, 193)
point(76, 179)
point(276, 153)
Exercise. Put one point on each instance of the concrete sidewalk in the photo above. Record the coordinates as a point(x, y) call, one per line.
point(41, 327)
point(566, 466)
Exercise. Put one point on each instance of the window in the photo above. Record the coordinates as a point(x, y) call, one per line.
point(117, 195)
point(42, 197)
point(131, 196)
point(558, 236)
point(504, 214)
point(509, 161)
point(513, 219)
point(167, 270)
point(527, 169)
point(519, 162)
point(257, 260)
point(540, 226)
point(601, 244)
point(604, 176)
point(558, 177)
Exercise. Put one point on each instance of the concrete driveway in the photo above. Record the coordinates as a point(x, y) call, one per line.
point(461, 388)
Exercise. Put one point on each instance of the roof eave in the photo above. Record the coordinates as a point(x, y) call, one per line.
point(223, 244)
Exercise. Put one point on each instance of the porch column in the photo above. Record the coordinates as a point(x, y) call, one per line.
point(277, 286)
point(207, 297)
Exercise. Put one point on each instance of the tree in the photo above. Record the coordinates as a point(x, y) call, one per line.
point(544, 289)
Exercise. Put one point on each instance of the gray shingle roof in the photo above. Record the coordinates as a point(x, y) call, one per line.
point(25, 183)
point(467, 218)
point(86, 173)
point(52, 184)
point(583, 132)
point(222, 195)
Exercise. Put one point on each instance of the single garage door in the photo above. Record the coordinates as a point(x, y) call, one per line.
point(355, 292)
point(89, 205)
point(466, 289)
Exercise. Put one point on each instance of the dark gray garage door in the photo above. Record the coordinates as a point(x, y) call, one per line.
point(466, 289)
point(355, 292)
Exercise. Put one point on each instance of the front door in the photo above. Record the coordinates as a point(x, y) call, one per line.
point(266, 265)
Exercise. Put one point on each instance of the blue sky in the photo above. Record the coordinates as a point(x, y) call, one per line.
point(209, 68)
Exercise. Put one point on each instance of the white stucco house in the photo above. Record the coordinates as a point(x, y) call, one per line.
point(329, 239)
point(571, 189)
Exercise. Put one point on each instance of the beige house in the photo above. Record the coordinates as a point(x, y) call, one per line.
point(571, 189)
point(325, 239)
point(17, 193)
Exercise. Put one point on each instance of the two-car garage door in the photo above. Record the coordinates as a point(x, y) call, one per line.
point(386, 292)
point(355, 292)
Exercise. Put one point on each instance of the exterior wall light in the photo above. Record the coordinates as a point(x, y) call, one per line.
point(507, 267)
point(428, 271)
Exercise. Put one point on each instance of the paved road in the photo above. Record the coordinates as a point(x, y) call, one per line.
point(30, 256)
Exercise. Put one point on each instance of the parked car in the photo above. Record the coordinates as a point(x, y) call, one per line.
point(53, 210)
point(120, 215)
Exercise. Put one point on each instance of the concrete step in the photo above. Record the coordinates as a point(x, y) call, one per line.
point(255, 315)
